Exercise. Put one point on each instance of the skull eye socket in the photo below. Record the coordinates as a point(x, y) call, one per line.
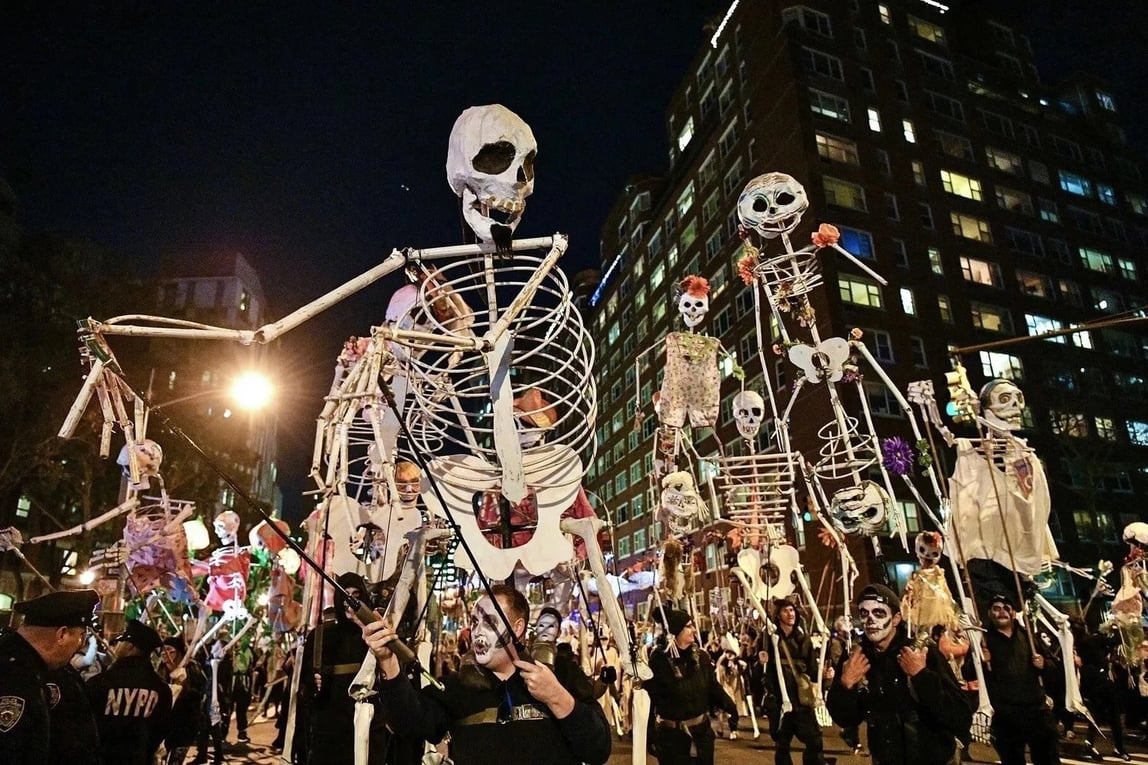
point(494, 158)
point(760, 204)
point(526, 172)
point(785, 198)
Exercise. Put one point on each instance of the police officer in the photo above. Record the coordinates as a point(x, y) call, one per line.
point(54, 628)
point(75, 737)
point(131, 702)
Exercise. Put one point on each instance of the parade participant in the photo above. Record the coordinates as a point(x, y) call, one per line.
point(189, 689)
point(839, 643)
point(332, 656)
point(545, 649)
point(731, 674)
point(132, 704)
point(906, 694)
point(1103, 681)
point(54, 628)
point(241, 680)
point(216, 702)
point(500, 707)
point(1013, 677)
point(798, 659)
point(682, 691)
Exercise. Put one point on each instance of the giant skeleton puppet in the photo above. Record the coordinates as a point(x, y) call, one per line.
point(999, 508)
point(1128, 605)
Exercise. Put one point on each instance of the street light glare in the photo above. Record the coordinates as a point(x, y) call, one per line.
point(251, 390)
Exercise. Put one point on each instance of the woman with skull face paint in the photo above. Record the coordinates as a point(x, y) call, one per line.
point(907, 695)
point(499, 708)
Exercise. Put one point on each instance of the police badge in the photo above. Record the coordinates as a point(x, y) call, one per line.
point(53, 694)
point(11, 710)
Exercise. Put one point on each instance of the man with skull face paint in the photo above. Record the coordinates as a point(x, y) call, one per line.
point(499, 707)
point(907, 695)
point(1013, 677)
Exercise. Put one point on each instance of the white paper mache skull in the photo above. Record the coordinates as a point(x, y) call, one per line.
point(149, 457)
point(772, 204)
point(227, 527)
point(1136, 533)
point(749, 413)
point(1003, 404)
point(680, 499)
point(929, 547)
point(490, 165)
point(694, 301)
point(861, 509)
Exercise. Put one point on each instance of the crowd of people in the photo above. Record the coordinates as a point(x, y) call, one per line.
point(513, 681)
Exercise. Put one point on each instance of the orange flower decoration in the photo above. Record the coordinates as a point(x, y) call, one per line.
point(826, 235)
point(745, 268)
point(696, 286)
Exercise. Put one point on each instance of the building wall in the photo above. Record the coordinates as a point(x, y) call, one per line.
point(995, 206)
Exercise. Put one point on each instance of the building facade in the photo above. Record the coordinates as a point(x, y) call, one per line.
point(996, 206)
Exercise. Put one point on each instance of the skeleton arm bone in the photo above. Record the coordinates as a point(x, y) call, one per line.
point(130, 504)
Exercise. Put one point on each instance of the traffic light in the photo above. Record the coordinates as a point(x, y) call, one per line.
point(962, 406)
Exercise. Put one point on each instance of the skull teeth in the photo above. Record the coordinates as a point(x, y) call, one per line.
point(508, 206)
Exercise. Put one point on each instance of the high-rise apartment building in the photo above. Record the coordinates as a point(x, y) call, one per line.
point(997, 207)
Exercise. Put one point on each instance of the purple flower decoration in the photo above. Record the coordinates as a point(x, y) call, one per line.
point(896, 456)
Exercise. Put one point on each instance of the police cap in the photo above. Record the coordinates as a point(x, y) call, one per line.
point(140, 635)
point(73, 608)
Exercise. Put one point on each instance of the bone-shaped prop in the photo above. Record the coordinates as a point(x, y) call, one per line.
point(587, 530)
point(824, 362)
point(786, 704)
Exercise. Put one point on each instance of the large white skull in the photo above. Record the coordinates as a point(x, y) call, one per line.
point(748, 411)
point(1136, 533)
point(693, 308)
point(490, 164)
point(1003, 403)
point(680, 499)
point(860, 509)
point(772, 204)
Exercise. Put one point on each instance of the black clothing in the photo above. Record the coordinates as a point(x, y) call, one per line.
point(683, 689)
point(132, 707)
point(911, 721)
point(187, 716)
point(330, 711)
point(429, 714)
point(1020, 716)
point(25, 738)
point(75, 737)
point(797, 657)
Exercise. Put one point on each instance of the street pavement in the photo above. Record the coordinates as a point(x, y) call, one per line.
point(744, 751)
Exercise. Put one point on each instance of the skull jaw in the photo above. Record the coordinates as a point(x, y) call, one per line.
point(748, 430)
point(476, 213)
point(692, 318)
point(772, 229)
point(1004, 419)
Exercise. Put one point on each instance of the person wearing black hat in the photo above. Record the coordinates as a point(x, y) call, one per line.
point(1013, 673)
point(54, 628)
point(189, 690)
point(131, 702)
point(798, 663)
point(906, 693)
point(683, 690)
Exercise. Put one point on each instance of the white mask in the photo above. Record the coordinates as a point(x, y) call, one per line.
point(876, 619)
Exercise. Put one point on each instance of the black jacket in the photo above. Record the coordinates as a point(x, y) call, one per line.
point(24, 733)
point(911, 721)
point(805, 659)
point(75, 737)
point(583, 736)
point(187, 709)
point(132, 707)
point(1010, 677)
point(685, 687)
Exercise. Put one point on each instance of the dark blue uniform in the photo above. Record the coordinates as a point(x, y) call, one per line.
point(24, 730)
point(132, 706)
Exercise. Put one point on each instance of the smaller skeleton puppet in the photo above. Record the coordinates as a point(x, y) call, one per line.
point(927, 601)
point(1128, 605)
point(226, 570)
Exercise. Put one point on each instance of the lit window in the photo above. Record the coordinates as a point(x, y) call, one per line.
point(1095, 260)
point(860, 243)
point(981, 272)
point(883, 11)
point(844, 194)
point(918, 172)
point(837, 149)
point(859, 291)
point(1034, 284)
point(874, 119)
point(971, 228)
point(1106, 194)
point(686, 135)
point(945, 309)
point(1039, 325)
point(686, 200)
point(1048, 211)
point(1075, 184)
point(1014, 201)
point(1001, 365)
point(935, 264)
point(1072, 424)
point(907, 129)
point(926, 30)
point(908, 302)
point(1137, 432)
point(1004, 161)
point(1127, 268)
point(961, 185)
point(1106, 101)
point(828, 105)
point(990, 317)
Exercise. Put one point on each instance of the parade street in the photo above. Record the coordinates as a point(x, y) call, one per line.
point(744, 751)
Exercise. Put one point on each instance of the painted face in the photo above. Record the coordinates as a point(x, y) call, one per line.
point(546, 628)
point(488, 635)
point(877, 620)
point(1001, 613)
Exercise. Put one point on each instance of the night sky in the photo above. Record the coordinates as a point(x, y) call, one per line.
point(311, 137)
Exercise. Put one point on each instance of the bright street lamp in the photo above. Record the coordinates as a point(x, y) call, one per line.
point(250, 390)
